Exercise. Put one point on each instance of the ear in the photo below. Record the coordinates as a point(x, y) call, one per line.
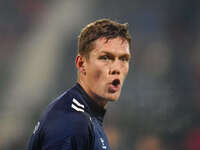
point(80, 64)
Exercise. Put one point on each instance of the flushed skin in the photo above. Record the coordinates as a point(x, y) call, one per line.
point(108, 62)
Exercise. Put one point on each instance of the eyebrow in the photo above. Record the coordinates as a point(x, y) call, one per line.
point(111, 54)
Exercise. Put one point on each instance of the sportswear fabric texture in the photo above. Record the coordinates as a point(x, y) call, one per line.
point(71, 122)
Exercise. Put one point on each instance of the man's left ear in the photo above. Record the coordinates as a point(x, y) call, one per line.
point(80, 64)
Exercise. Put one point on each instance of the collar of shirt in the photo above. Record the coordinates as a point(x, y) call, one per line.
point(93, 108)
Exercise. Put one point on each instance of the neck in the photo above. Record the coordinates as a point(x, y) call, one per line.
point(97, 99)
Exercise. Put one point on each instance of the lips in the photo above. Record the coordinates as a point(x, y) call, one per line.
point(116, 82)
point(114, 86)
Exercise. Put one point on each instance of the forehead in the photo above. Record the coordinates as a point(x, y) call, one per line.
point(115, 45)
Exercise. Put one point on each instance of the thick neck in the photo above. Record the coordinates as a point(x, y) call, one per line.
point(98, 100)
point(94, 109)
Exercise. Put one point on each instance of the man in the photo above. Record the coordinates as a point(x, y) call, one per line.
point(74, 120)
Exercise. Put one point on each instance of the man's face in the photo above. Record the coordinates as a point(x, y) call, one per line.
point(106, 68)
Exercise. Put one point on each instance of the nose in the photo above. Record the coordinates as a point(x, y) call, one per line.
point(115, 68)
point(115, 71)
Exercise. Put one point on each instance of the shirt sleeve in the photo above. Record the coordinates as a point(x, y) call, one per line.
point(77, 143)
point(71, 131)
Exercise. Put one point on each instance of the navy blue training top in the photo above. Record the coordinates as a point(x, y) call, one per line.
point(71, 122)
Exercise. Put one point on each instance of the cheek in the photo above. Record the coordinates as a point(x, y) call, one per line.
point(96, 74)
point(125, 71)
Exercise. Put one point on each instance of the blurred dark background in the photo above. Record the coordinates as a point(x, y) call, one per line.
point(159, 106)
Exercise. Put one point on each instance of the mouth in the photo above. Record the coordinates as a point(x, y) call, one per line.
point(116, 82)
point(115, 85)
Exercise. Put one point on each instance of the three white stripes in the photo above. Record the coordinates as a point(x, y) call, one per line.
point(75, 104)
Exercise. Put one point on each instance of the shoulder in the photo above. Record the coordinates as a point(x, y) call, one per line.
point(66, 102)
point(65, 116)
point(69, 124)
point(64, 120)
point(64, 130)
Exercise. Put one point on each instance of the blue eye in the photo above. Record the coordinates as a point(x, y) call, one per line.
point(124, 59)
point(105, 57)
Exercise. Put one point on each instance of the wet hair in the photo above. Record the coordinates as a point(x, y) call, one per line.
point(98, 29)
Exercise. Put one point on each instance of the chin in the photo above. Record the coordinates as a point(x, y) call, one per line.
point(113, 98)
point(113, 95)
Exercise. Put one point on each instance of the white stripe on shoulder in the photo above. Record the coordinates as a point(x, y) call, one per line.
point(76, 108)
point(77, 103)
